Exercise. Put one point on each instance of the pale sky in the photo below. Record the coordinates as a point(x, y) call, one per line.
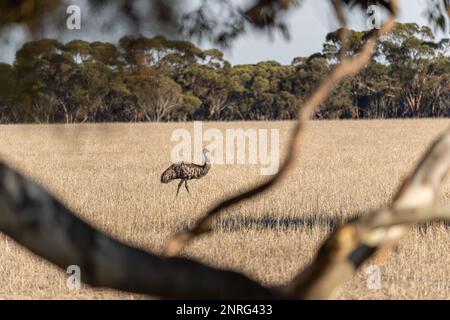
point(308, 24)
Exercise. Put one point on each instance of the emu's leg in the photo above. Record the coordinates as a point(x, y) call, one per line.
point(179, 186)
point(185, 184)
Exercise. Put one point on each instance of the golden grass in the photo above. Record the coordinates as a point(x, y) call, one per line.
point(109, 174)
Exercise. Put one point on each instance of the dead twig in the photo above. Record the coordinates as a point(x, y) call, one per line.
point(347, 67)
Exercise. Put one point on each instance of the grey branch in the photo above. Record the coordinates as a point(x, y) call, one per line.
point(348, 67)
point(354, 243)
point(39, 222)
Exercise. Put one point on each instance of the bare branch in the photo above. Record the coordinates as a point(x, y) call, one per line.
point(352, 244)
point(344, 32)
point(35, 219)
point(39, 222)
point(446, 6)
point(422, 185)
point(389, 217)
point(347, 67)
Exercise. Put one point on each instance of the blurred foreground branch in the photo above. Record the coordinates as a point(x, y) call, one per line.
point(39, 222)
point(347, 67)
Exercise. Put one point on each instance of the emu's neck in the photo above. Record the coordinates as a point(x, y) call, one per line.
point(207, 161)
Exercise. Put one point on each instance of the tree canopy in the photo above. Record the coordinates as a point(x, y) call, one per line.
point(158, 79)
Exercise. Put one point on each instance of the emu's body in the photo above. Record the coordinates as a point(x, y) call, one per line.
point(186, 171)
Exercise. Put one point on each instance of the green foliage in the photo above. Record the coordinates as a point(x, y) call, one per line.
point(156, 79)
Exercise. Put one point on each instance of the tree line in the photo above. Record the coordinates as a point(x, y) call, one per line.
point(157, 79)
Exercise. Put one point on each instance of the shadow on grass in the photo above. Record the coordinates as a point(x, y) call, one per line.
point(272, 222)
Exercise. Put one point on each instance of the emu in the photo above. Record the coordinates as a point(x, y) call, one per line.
point(186, 171)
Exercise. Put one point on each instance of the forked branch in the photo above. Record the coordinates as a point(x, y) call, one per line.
point(352, 244)
point(39, 222)
point(347, 67)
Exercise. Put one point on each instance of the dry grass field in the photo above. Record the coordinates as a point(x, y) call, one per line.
point(110, 173)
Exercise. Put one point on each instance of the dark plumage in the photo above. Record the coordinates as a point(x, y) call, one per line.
point(186, 171)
